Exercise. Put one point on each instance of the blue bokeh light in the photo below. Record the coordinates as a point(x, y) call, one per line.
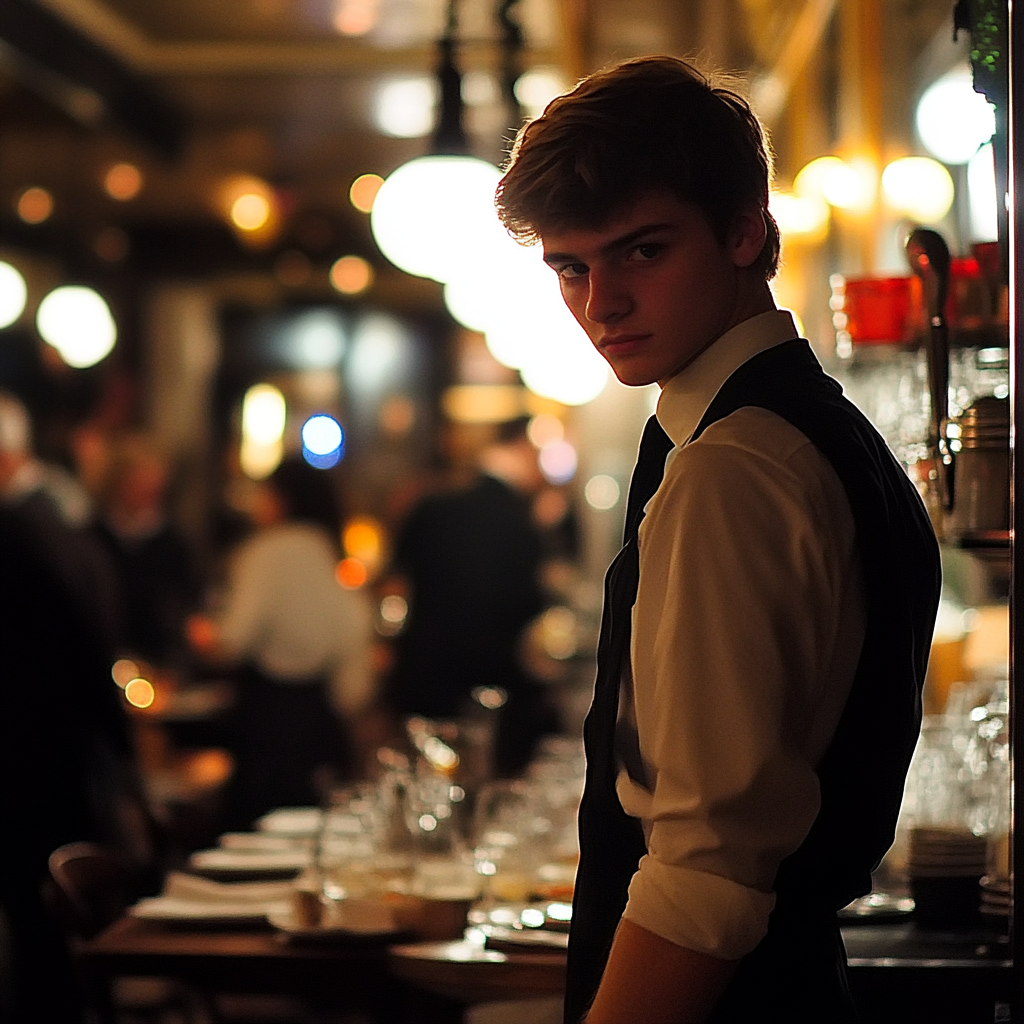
point(323, 441)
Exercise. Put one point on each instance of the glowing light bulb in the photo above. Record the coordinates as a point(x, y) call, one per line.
point(123, 182)
point(77, 322)
point(351, 275)
point(364, 190)
point(13, 294)
point(34, 205)
point(250, 211)
point(323, 441)
point(952, 119)
point(264, 413)
point(919, 187)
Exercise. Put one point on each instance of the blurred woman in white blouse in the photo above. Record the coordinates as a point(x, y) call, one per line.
point(301, 644)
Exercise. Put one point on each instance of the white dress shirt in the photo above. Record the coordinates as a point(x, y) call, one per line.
point(286, 611)
point(746, 632)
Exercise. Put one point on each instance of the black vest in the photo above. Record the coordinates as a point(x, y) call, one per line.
point(863, 770)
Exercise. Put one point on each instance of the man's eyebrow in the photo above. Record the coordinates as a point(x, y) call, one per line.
point(616, 243)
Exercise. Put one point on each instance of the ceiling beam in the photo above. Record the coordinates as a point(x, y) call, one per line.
point(55, 59)
point(340, 55)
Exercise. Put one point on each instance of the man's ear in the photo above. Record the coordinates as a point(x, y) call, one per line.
point(749, 232)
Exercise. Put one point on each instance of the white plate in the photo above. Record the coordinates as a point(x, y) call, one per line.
point(291, 821)
point(249, 863)
point(174, 909)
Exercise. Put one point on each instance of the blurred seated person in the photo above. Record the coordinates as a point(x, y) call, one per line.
point(52, 511)
point(153, 563)
point(302, 644)
point(470, 558)
point(67, 769)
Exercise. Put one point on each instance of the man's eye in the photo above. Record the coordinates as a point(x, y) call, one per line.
point(571, 270)
point(647, 251)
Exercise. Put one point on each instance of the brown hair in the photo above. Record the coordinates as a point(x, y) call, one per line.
point(650, 123)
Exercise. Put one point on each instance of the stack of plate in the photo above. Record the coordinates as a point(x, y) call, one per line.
point(945, 866)
point(995, 897)
point(946, 853)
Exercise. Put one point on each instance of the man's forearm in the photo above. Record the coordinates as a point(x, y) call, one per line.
point(649, 980)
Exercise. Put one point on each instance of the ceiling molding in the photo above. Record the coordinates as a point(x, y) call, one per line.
point(120, 37)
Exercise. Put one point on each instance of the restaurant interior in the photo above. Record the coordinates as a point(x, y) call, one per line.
point(249, 262)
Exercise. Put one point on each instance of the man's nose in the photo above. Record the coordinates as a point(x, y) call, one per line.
point(607, 300)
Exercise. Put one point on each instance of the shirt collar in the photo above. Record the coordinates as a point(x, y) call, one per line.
point(686, 396)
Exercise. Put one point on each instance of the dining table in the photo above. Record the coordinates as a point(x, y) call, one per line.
point(898, 970)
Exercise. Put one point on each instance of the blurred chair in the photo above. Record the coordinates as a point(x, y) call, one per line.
point(87, 890)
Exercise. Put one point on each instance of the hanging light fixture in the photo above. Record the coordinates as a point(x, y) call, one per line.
point(434, 217)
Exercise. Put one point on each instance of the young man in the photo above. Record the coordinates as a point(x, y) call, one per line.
point(767, 622)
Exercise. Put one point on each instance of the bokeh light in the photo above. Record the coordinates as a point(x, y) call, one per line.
point(351, 275)
point(557, 462)
point(364, 191)
point(351, 573)
point(982, 198)
point(919, 187)
point(123, 671)
point(404, 108)
point(13, 293)
point(355, 17)
point(543, 429)
point(250, 211)
point(536, 88)
point(123, 182)
point(139, 693)
point(602, 492)
point(363, 538)
point(323, 441)
point(264, 413)
point(77, 322)
point(435, 213)
point(799, 216)
point(952, 119)
point(34, 205)
point(257, 460)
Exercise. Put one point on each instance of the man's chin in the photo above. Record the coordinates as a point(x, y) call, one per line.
point(633, 377)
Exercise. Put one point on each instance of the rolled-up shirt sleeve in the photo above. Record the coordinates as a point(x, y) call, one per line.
point(747, 627)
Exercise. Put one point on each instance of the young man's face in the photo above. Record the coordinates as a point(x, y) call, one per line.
point(653, 287)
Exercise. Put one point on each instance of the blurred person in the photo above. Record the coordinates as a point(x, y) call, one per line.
point(302, 644)
point(153, 564)
point(68, 770)
point(767, 621)
point(470, 557)
point(54, 511)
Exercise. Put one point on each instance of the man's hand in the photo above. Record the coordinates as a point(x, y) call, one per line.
point(649, 980)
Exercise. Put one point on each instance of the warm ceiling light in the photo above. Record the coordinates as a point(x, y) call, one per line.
point(952, 119)
point(844, 184)
point(351, 275)
point(355, 17)
point(34, 205)
point(536, 88)
point(123, 182)
point(140, 693)
point(13, 294)
point(404, 108)
point(264, 413)
point(77, 322)
point(364, 190)
point(250, 211)
point(919, 187)
point(251, 207)
point(799, 216)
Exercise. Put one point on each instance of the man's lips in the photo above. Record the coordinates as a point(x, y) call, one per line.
point(620, 344)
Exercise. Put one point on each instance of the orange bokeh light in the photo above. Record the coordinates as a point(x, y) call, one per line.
point(124, 670)
point(140, 693)
point(123, 182)
point(351, 275)
point(35, 205)
point(351, 573)
point(364, 190)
